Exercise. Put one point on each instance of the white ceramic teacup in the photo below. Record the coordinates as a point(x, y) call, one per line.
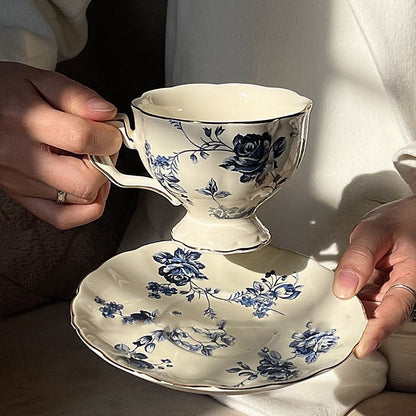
point(220, 150)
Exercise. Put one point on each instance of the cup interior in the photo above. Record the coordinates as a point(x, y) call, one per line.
point(221, 103)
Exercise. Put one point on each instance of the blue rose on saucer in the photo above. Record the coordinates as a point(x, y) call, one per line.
point(180, 267)
point(255, 155)
point(274, 368)
point(311, 343)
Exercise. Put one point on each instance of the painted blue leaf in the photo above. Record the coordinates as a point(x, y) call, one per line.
point(212, 186)
point(193, 158)
point(139, 356)
point(206, 351)
point(162, 257)
point(195, 348)
point(99, 300)
point(176, 124)
point(122, 347)
point(204, 191)
point(246, 373)
point(222, 194)
point(207, 131)
point(159, 335)
point(219, 130)
point(258, 286)
point(204, 154)
point(311, 358)
point(201, 276)
point(243, 365)
point(279, 146)
point(143, 340)
point(177, 187)
point(244, 178)
point(221, 324)
point(150, 347)
point(171, 179)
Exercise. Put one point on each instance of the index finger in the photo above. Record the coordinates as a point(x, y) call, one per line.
point(370, 241)
point(69, 132)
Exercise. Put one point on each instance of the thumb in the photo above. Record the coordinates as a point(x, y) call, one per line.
point(368, 245)
point(72, 97)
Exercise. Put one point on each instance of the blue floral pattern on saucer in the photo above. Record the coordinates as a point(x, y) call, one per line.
point(309, 345)
point(183, 269)
point(213, 323)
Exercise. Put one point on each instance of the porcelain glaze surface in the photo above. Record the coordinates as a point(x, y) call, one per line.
point(220, 150)
point(211, 323)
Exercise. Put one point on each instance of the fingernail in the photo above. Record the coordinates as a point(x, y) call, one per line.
point(346, 284)
point(364, 350)
point(99, 104)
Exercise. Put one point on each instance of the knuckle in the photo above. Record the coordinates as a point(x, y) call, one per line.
point(80, 137)
point(359, 254)
point(86, 190)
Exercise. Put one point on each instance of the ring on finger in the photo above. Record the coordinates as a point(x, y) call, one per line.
point(405, 287)
point(60, 197)
point(413, 292)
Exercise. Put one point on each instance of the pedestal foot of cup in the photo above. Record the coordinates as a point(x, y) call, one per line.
point(221, 236)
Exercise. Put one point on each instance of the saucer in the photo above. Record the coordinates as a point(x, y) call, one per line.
point(211, 323)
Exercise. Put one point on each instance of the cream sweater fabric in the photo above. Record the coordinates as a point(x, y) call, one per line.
point(41, 33)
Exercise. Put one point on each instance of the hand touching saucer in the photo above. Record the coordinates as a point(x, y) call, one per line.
point(48, 123)
point(380, 266)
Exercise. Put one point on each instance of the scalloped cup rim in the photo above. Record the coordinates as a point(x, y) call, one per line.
point(304, 104)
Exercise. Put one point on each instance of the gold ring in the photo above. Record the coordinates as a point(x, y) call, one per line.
point(60, 197)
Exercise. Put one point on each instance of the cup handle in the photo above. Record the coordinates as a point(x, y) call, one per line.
point(105, 165)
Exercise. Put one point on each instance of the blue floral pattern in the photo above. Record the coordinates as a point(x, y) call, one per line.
point(309, 344)
point(271, 366)
point(139, 360)
point(111, 309)
point(199, 340)
point(254, 157)
point(182, 269)
point(264, 329)
point(221, 211)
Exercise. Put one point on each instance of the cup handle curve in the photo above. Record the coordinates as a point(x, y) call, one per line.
point(106, 166)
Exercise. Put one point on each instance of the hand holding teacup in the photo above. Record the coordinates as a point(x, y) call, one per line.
point(48, 125)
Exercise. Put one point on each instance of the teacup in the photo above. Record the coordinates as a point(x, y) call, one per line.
point(220, 150)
